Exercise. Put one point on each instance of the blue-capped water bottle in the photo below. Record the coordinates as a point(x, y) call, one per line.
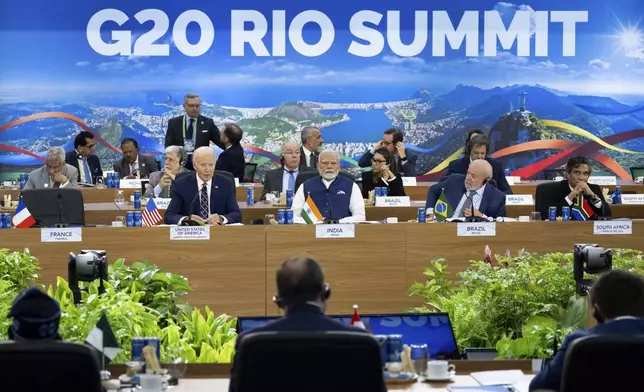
point(137, 199)
point(617, 195)
point(250, 196)
point(109, 182)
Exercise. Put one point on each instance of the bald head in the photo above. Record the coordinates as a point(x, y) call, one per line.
point(479, 171)
point(300, 280)
point(329, 164)
point(204, 162)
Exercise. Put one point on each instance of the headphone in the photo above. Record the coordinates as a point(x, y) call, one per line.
point(281, 303)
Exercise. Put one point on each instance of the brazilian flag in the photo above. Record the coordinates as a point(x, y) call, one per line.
point(442, 209)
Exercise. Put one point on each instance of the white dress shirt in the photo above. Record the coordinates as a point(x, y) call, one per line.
point(307, 155)
point(597, 204)
point(81, 170)
point(476, 201)
point(200, 183)
point(356, 204)
point(285, 178)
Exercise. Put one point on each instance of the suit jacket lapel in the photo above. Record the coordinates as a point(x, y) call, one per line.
point(486, 199)
point(454, 195)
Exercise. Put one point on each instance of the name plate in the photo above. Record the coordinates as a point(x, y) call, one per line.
point(512, 179)
point(479, 229)
point(69, 234)
point(189, 233)
point(335, 231)
point(236, 182)
point(633, 199)
point(162, 202)
point(409, 181)
point(613, 228)
point(393, 201)
point(519, 200)
point(133, 183)
point(602, 180)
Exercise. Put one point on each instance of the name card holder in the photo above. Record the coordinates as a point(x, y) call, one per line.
point(68, 234)
point(393, 201)
point(613, 228)
point(476, 229)
point(602, 180)
point(633, 199)
point(162, 202)
point(519, 200)
point(512, 179)
point(335, 231)
point(190, 233)
point(131, 183)
point(409, 181)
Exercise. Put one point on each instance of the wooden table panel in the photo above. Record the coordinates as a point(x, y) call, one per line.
point(227, 273)
point(367, 270)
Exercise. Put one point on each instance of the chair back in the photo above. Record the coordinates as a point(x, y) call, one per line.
point(311, 361)
point(637, 172)
point(541, 197)
point(52, 206)
point(249, 172)
point(36, 366)
point(601, 363)
point(550, 174)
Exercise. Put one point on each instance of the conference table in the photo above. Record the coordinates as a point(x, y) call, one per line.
point(233, 272)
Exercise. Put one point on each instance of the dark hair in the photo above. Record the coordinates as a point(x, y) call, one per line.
point(466, 150)
point(618, 293)
point(575, 162)
point(388, 157)
point(478, 140)
point(398, 135)
point(299, 279)
point(81, 139)
point(129, 139)
point(233, 132)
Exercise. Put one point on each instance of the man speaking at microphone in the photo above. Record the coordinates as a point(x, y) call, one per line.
point(204, 196)
point(473, 194)
point(337, 197)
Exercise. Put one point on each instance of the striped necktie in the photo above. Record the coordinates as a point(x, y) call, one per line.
point(203, 202)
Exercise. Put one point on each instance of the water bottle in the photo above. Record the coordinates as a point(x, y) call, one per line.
point(120, 200)
point(617, 196)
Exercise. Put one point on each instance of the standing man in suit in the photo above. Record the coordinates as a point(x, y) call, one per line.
point(311, 142)
point(161, 181)
point(392, 140)
point(204, 196)
point(573, 191)
point(303, 294)
point(192, 130)
point(54, 174)
point(83, 158)
point(232, 158)
point(478, 147)
point(285, 177)
point(617, 299)
point(133, 164)
point(336, 196)
point(470, 195)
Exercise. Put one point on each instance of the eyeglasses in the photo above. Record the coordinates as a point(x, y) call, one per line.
point(193, 105)
point(378, 161)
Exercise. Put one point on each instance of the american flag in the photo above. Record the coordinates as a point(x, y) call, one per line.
point(151, 214)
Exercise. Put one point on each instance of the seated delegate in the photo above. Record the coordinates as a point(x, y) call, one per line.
point(382, 174)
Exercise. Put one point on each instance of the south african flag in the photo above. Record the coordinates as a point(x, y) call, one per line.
point(581, 210)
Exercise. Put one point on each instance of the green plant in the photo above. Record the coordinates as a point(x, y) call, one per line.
point(539, 335)
point(161, 290)
point(19, 268)
point(494, 302)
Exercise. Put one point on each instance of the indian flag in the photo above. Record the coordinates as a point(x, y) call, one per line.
point(310, 212)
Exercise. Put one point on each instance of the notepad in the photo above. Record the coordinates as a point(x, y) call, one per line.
point(498, 377)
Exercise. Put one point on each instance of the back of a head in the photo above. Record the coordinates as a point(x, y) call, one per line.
point(618, 293)
point(299, 279)
point(234, 133)
point(35, 316)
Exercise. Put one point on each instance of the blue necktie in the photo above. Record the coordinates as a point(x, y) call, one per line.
point(88, 177)
point(291, 180)
point(203, 202)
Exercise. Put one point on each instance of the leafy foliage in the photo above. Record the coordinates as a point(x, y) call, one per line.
point(519, 298)
point(19, 268)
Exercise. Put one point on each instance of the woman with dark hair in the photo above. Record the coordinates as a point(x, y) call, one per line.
point(382, 174)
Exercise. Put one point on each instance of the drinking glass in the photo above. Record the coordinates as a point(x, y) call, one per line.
point(100, 182)
point(535, 216)
point(419, 357)
point(177, 364)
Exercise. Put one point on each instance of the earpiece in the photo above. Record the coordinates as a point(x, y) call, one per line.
point(281, 303)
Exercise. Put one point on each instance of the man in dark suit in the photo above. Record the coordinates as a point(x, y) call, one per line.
point(286, 177)
point(204, 196)
point(303, 294)
point(392, 140)
point(232, 158)
point(83, 158)
point(133, 164)
point(192, 130)
point(617, 299)
point(311, 142)
point(574, 191)
point(470, 195)
point(477, 148)
point(160, 184)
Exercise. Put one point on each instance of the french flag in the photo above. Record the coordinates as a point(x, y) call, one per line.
point(23, 219)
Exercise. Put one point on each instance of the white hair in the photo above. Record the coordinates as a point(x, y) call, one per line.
point(289, 142)
point(307, 132)
point(485, 165)
point(328, 151)
point(190, 96)
point(179, 151)
point(55, 154)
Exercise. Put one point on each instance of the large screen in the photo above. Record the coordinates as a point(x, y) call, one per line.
point(433, 329)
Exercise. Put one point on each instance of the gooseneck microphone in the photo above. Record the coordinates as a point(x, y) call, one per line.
point(60, 223)
point(330, 220)
point(190, 221)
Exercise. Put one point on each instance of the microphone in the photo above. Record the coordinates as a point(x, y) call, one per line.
point(329, 220)
point(189, 221)
point(60, 223)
